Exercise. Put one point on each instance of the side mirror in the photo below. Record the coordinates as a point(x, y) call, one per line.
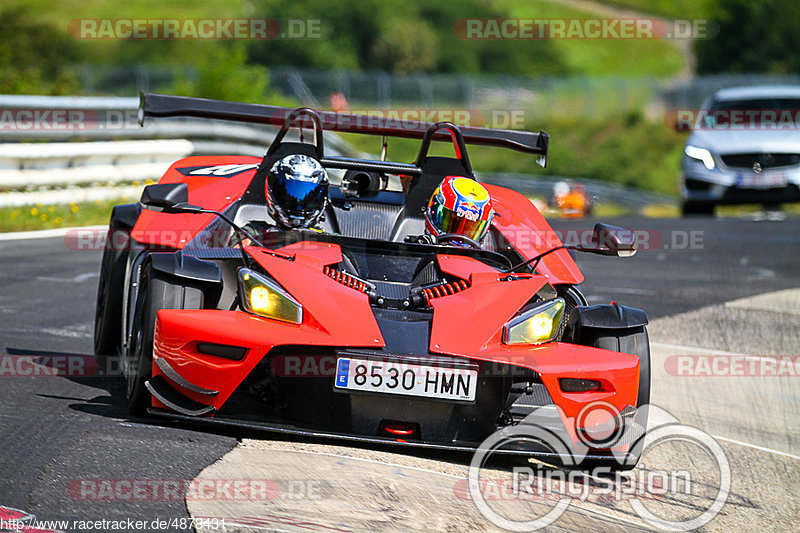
point(168, 198)
point(613, 240)
point(164, 196)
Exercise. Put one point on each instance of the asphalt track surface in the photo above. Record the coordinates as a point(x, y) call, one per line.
point(57, 431)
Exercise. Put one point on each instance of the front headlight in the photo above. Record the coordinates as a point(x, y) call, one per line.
point(535, 326)
point(701, 154)
point(262, 296)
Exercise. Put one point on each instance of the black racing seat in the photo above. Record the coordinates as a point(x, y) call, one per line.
point(434, 170)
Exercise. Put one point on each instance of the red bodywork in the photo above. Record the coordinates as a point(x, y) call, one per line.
point(466, 324)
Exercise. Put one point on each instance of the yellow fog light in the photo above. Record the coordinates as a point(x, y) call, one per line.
point(259, 299)
point(262, 296)
point(535, 326)
point(540, 326)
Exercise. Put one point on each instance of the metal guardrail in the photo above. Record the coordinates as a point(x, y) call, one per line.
point(50, 161)
point(52, 148)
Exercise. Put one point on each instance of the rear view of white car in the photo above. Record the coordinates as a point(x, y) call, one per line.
point(744, 148)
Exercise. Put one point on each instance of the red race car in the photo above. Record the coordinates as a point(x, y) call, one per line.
point(353, 327)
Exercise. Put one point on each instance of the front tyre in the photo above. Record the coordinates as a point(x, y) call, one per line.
point(108, 310)
point(633, 341)
point(156, 291)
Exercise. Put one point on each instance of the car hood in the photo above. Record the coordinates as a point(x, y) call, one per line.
point(747, 141)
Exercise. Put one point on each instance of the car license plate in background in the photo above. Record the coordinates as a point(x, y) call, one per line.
point(763, 180)
point(394, 377)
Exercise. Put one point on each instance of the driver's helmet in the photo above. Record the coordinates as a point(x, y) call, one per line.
point(297, 191)
point(460, 206)
point(561, 188)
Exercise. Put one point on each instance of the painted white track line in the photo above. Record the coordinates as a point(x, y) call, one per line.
point(45, 233)
point(756, 447)
point(691, 348)
point(711, 351)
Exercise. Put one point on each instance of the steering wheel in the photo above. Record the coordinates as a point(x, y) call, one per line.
point(449, 237)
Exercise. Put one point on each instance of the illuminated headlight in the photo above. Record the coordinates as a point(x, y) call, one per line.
point(701, 154)
point(536, 325)
point(262, 296)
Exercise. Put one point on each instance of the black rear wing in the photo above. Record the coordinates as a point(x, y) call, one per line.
point(160, 105)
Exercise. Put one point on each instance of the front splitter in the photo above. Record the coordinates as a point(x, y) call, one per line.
point(530, 448)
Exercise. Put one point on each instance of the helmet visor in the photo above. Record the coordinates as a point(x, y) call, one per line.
point(298, 197)
point(448, 221)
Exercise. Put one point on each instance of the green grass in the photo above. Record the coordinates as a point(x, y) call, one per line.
point(674, 9)
point(601, 57)
point(35, 217)
point(117, 51)
point(62, 11)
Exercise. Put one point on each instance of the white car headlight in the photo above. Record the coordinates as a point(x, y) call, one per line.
point(701, 154)
point(535, 326)
point(262, 296)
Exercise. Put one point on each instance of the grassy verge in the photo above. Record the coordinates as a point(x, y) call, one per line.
point(674, 9)
point(35, 217)
point(600, 57)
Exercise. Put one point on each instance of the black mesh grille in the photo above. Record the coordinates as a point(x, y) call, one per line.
point(763, 159)
point(367, 220)
point(396, 291)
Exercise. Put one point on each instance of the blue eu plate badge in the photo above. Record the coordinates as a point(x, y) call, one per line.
point(342, 372)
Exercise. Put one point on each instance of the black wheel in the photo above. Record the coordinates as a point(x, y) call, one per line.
point(156, 291)
point(693, 208)
point(635, 342)
point(108, 310)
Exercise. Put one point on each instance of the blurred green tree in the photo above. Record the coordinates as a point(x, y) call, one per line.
point(761, 36)
point(222, 73)
point(409, 36)
point(407, 46)
point(34, 56)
